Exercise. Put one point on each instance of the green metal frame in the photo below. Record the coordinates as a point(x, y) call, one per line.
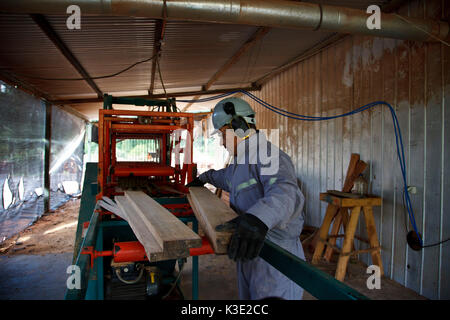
point(92, 279)
point(318, 283)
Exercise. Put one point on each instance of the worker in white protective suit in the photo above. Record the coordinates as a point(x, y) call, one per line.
point(263, 190)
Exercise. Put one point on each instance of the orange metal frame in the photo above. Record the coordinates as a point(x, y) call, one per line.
point(118, 124)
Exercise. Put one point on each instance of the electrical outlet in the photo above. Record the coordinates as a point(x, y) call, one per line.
point(412, 189)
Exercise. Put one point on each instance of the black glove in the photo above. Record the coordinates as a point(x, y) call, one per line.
point(195, 183)
point(229, 225)
point(248, 238)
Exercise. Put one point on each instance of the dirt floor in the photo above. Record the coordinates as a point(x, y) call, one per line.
point(52, 233)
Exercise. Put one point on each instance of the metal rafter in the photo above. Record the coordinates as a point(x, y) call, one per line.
point(258, 35)
point(45, 26)
point(162, 95)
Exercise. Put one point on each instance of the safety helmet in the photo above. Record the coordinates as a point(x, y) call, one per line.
point(232, 111)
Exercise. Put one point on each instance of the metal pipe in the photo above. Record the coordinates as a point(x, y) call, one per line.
point(268, 13)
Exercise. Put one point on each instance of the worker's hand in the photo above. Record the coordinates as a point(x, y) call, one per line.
point(248, 238)
point(195, 183)
point(229, 225)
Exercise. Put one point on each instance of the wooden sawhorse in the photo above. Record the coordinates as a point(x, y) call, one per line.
point(339, 206)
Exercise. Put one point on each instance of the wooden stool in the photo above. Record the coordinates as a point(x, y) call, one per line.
point(338, 206)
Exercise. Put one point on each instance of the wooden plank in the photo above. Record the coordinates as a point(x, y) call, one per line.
point(170, 233)
point(211, 212)
point(152, 248)
point(348, 184)
point(347, 202)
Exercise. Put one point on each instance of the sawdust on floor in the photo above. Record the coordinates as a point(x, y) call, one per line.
point(52, 233)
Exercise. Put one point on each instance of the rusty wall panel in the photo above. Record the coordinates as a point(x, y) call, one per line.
point(444, 290)
point(415, 79)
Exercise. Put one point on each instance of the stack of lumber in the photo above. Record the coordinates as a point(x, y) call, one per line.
point(210, 212)
point(163, 235)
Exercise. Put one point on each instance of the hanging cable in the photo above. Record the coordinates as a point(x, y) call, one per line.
point(296, 116)
point(90, 78)
point(160, 77)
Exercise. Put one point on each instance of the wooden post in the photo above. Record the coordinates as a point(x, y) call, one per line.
point(347, 246)
point(373, 238)
point(323, 232)
point(47, 153)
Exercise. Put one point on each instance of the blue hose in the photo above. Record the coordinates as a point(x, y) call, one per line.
point(296, 116)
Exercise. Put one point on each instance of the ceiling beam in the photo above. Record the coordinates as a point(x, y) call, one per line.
point(161, 96)
point(159, 36)
point(258, 35)
point(45, 26)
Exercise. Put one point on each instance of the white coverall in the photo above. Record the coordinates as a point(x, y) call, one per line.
point(277, 201)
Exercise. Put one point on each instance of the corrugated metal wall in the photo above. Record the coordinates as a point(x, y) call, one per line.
point(413, 77)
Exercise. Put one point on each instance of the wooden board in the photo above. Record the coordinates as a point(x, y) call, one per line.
point(211, 212)
point(152, 248)
point(171, 234)
point(348, 202)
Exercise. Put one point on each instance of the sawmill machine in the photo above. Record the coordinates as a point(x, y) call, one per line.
point(149, 151)
point(109, 262)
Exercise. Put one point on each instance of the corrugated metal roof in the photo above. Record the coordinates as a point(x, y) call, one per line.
point(105, 45)
point(192, 52)
point(278, 47)
point(25, 49)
